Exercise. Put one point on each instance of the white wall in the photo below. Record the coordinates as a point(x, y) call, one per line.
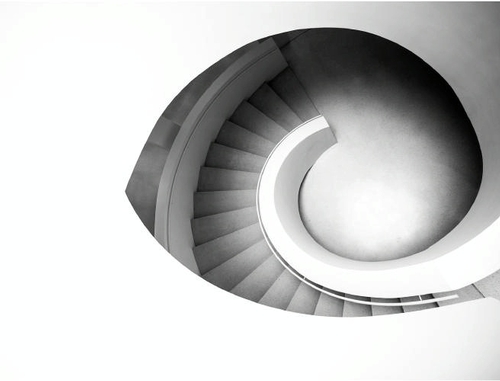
point(87, 293)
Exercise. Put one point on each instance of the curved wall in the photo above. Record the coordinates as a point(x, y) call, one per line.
point(432, 52)
point(142, 188)
point(179, 179)
point(465, 53)
point(408, 165)
point(460, 41)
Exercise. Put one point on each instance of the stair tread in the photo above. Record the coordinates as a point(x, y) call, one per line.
point(240, 138)
point(211, 227)
point(249, 117)
point(289, 88)
point(353, 309)
point(266, 100)
point(208, 203)
point(221, 156)
point(282, 291)
point(217, 179)
point(304, 300)
point(329, 306)
point(228, 274)
point(213, 253)
point(386, 310)
point(256, 284)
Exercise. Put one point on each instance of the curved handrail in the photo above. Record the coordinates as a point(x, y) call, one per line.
point(318, 129)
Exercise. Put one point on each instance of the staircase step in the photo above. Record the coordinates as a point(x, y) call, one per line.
point(418, 307)
point(211, 227)
point(464, 295)
point(228, 274)
point(240, 138)
point(213, 253)
point(304, 300)
point(218, 179)
point(352, 309)
point(329, 306)
point(252, 119)
point(255, 285)
point(386, 310)
point(490, 286)
point(289, 88)
point(220, 156)
point(208, 203)
point(281, 292)
point(267, 101)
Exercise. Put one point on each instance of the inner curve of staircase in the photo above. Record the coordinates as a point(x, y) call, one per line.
point(407, 166)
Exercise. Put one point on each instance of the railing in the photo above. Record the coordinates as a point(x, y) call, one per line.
point(309, 141)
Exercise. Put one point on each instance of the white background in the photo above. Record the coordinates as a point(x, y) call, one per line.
point(85, 292)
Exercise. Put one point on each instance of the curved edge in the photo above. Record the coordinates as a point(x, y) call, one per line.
point(180, 174)
point(142, 187)
point(280, 221)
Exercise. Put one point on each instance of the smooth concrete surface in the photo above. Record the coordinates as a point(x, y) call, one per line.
point(240, 138)
point(213, 253)
point(270, 103)
point(279, 217)
point(179, 180)
point(207, 203)
point(304, 300)
point(219, 179)
point(288, 87)
point(212, 227)
point(231, 272)
point(407, 166)
point(142, 188)
point(181, 105)
point(282, 291)
point(254, 120)
point(255, 285)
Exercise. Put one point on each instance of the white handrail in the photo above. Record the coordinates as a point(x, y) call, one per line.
point(307, 142)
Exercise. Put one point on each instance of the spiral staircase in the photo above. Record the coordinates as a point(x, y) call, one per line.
point(229, 246)
point(230, 250)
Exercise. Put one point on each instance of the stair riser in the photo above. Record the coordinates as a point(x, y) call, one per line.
point(234, 270)
point(215, 179)
point(220, 156)
point(211, 227)
point(208, 203)
point(213, 253)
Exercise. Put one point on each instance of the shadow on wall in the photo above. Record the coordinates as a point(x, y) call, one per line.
point(408, 165)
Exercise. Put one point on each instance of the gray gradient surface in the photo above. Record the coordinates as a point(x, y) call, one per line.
point(408, 165)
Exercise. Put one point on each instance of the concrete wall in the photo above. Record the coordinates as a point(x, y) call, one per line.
point(466, 54)
point(179, 180)
point(408, 165)
point(142, 188)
